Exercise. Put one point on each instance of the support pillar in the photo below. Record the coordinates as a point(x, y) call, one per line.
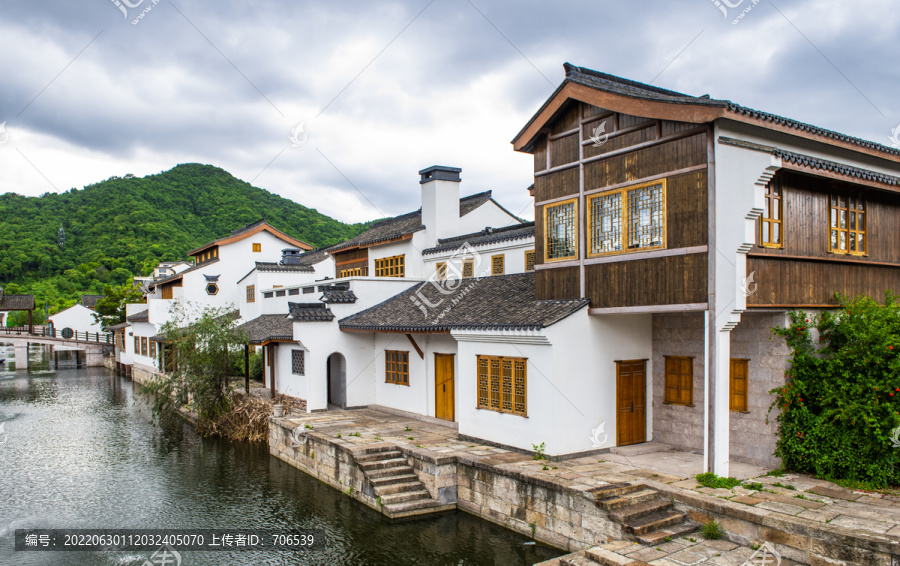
point(720, 415)
point(272, 368)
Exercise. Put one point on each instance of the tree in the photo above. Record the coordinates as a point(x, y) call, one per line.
point(199, 352)
point(110, 310)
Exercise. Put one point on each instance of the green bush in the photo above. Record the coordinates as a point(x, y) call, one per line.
point(256, 366)
point(841, 402)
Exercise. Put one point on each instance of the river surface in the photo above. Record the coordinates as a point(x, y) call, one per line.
point(78, 449)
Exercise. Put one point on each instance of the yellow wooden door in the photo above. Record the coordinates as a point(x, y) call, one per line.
point(443, 387)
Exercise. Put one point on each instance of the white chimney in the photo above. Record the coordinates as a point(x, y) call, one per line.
point(440, 202)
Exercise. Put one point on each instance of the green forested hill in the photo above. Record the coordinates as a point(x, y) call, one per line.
point(123, 227)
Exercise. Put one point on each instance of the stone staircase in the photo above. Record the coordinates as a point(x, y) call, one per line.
point(396, 485)
point(643, 513)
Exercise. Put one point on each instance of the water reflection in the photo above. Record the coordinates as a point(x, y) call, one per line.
point(81, 452)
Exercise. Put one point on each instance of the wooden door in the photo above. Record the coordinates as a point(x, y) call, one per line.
point(739, 385)
point(631, 402)
point(443, 387)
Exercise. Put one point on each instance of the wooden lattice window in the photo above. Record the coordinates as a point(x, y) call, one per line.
point(771, 227)
point(605, 223)
point(298, 363)
point(137, 345)
point(646, 216)
point(396, 367)
point(498, 264)
point(251, 293)
point(529, 260)
point(740, 379)
point(257, 248)
point(561, 231)
point(679, 380)
point(503, 384)
point(144, 346)
point(440, 271)
point(355, 272)
point(394, 266)
point(468, 268)
point(152, 349)
point(848, 224)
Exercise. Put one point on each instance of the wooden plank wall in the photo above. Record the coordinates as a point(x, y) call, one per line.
point(638, 282)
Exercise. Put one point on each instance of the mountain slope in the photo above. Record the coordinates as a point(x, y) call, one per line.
point(122, 227)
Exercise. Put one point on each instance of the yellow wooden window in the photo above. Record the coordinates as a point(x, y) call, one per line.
point(251, 293)
point(740, 379)
point(847, 224)
point(440, 271)
point(354, 272)
point(771, 227)
point(497, 264)
point(679, 380)
point(503, 384)
point(396, 367)
point(257, 247)
point(529, 260)
point(144, 346)
point(468, 268)
point(394, 266)
point(627, 219)
point(561, 230)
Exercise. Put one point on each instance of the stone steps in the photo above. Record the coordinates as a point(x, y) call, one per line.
point(396, 484)
point(642, 512)
point(659, 537)
point(655, 522)
point(633, 512)
point(617, 502)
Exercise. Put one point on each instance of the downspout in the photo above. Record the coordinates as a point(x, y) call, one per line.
point(709, 386)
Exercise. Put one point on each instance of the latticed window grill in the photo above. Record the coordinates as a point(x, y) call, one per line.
point(152, 349)
point(391, 266)
point(498, 264)
point(468, 268)
point(529, 260)
point(848, 224)
point(298, 362)
point(396, 367)
point(646, 210)
point(606, 223)
point(251, 293)
point(441, 271)
point(561, 232)
point(502, 384)
point(355, 272)
point(770, 222)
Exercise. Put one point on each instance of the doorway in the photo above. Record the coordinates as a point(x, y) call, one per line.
point(336, 370)
point(631, 402)
point(444, 391)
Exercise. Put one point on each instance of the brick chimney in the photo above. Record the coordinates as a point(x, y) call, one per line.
point(440, 202)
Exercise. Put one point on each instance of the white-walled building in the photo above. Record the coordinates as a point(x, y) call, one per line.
point(79, 318)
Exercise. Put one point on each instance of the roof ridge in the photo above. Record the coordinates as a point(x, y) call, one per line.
point(574, 69)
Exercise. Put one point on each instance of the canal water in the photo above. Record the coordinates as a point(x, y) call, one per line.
point(78, 449)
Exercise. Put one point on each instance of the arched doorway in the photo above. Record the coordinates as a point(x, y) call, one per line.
point(337, 380)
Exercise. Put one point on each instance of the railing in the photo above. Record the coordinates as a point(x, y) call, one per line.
point(51, 332)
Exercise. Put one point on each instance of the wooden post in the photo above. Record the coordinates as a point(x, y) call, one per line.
point(30, 322)
point(272, 369)
point(56, 358)
point(247, 369)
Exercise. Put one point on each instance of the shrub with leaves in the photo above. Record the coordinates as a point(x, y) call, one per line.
point(841, 401)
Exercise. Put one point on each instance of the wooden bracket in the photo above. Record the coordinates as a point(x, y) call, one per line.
point(416, 346)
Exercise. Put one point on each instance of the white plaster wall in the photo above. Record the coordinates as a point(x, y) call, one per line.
point(488, 214)
point(146, 330)
point(513, 252)
point(78, 318)
point(411, 248)
point(440, 210)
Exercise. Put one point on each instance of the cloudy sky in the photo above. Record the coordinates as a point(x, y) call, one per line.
point(93, 88)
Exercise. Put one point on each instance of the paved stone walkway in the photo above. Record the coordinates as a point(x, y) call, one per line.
point(685, 551)
point(790, 494)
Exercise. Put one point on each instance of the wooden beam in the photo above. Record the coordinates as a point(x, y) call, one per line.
point(247, 369)
point(416, 346)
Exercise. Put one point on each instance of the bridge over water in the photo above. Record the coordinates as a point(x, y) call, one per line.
point(89, 347)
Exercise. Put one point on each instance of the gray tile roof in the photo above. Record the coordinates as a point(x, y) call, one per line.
point(143, 316)
point(278, 267)
point(614, 84)
point(405, 224)
point(180, 275)
point(504, 302)
point(16, 302)
point(90, 301)
point(485, 237)
point(310, 312)
point(312, 257)
point(338, 296)
point(119, 326)
point(269, 327)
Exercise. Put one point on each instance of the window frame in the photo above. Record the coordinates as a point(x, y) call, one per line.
point(440, 271)
point(468, 268)
point(678, 387)
point(251, 293)
point(385, 270)
point(731, 390)
point(302, 358)
point(502, 263)
point(137, 345)
point(834, 196)
point(624, 211)
point(767, 225)
point(529, 254)
point(257, 247)
point(152, 349)
point(352, 272)
point(547, 230)
point(144, 347)
point(493, 398)
point(400, 374)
